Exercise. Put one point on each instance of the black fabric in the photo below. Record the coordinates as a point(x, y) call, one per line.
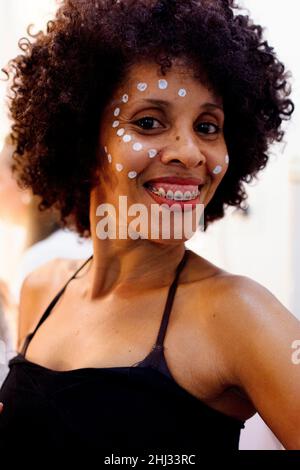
point(113, 409)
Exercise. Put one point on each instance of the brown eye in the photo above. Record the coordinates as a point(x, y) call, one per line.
point(146, 123)
point(208, 128)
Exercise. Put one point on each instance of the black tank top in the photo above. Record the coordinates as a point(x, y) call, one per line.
point(137, 407)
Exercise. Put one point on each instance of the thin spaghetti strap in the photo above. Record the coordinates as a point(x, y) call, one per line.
point(169, 303)
point(50, 307)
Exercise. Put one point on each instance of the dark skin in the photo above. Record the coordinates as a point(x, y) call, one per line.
point(229, 339)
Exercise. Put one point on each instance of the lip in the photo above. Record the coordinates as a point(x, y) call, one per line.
point(177, 180)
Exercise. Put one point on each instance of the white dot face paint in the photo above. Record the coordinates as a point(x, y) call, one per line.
point(227, 159)
point(117, 112)
point(217, 170)
point(132, 174)
point(182, 92)
point(127, 138)
point(137, 147)
point(116, 123)
point(142, 86)
point(152, 153)
point(109, 158)
point(105, 149)
point(125, 98)
point(120, 132)
point(162, 84)
point(119, 167)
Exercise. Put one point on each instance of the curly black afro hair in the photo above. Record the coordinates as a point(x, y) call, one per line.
point(65, 77)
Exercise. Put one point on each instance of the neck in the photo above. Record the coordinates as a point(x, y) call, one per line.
point(127, 267)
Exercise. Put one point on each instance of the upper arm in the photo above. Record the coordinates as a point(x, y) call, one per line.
point(37, 291)
point(259, 341)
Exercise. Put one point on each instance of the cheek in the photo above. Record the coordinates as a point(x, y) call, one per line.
point(218, 164)
point(128, 154)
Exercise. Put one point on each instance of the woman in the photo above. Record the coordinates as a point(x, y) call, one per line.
point(166, 104)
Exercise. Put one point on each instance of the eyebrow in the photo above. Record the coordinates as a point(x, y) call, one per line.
point(167, 104)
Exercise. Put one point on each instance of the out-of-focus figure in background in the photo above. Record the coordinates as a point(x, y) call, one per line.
point(44, 238)
point(7, 312)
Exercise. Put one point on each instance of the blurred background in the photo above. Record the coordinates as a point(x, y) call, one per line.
point(262, 244)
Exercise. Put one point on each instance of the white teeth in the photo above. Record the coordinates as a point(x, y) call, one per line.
point(177, 196)
point(188, 195)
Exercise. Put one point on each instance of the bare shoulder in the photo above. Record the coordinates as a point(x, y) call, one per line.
point(39, 288)
point(255, 334)
point(245, 310)
point(241, 299)
point(233, 295)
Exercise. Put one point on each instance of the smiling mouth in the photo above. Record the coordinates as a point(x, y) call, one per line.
point(184, 196)
point(184, 193)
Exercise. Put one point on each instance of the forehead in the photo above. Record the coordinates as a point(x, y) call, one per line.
point(177, 77)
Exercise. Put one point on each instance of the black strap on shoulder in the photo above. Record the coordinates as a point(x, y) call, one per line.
point(50, 307)
point(168, 307)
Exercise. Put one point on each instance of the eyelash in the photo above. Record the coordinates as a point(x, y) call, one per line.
point(217, 128)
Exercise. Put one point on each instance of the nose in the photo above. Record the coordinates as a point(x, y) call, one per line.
point(184, 151)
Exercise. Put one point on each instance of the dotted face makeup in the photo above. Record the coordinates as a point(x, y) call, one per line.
point(152, 153)
point(119, 167)
point(218, 169)
point(182, 92)
point(162, 84)
point(136, 146)
point(142, 86)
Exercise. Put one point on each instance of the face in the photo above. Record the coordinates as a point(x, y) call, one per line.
point(159, 128)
